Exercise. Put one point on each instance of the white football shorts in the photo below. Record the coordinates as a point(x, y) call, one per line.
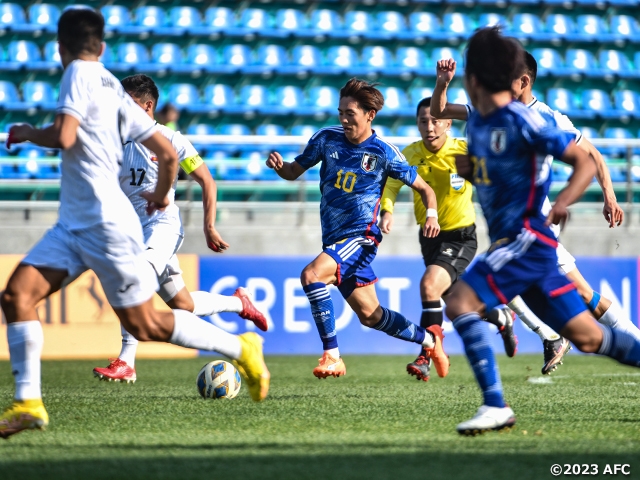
point(113, 251)
point(162, 241)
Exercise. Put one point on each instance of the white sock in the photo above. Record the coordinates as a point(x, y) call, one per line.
point(334, 352)
point(530, 320)
point(129, 347)
point(205, 303)
point(429, 340)
point(25, 347)
point(191, 332)
point(615, 318)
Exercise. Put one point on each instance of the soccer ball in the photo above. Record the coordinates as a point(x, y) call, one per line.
point(218, 379)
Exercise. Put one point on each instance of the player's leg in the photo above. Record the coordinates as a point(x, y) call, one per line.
point(315, 277)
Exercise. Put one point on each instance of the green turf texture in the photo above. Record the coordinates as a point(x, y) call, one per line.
point(375, 423)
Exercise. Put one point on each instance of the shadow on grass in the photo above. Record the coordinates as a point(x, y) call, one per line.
point(274, 461)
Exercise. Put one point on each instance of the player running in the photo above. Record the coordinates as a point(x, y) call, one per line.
point(355, 165)
point(98, 227)
point(506, 142)
point(163, 233)
point(448, 255)
point(602, 308)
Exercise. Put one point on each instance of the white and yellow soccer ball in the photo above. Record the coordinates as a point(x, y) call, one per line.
point(218, 379)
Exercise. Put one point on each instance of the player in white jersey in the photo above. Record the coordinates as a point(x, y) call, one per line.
point(602, 308)
point(98, 227)
point(163, 233)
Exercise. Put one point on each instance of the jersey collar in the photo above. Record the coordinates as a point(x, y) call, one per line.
point(532, 102)
point(443, 148)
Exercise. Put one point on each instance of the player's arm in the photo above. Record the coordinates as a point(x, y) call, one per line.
point(584, 168)
point(431, 227)
point(440, 108)
point(389, 195)
point(611, 210)
point(62, 134)
point(285, 170)
point(203, 177)
point(167, 170)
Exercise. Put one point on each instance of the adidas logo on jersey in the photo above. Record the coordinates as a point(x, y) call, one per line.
point(334, 155)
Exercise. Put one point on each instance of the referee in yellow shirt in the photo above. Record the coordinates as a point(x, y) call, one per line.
point(447, 255)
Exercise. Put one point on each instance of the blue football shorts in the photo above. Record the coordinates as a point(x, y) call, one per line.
point(527, 267)
point(354, 257)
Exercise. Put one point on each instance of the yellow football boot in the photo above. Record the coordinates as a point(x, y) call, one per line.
point(23, 415)
point(252, 367)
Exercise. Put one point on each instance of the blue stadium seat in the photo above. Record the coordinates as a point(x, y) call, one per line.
point(418, 94)
point(560, 172)
point(382, 131)
point(164, 56)
point(108, 58)
point(252, 21)
point(395, 102)
point(129, 56)
point(39, 94)
point(390, 25)
point(422, 25)
point(374, 59)
point(492, 19)
point(286, 100)
point(588, 132)
point(627, 102)
point(338, 59)
point(590, 26)
point(183, 95)
point(200, 56)
point(323, 99)
point(580, 61)
point(621, 133)
point(43, 16)
point(216, 20)
point(455, 132)
point(304, 130)
point(538, 94)
point(598, 102)
point(457, 25)
point(22, 54)
point(267, 58)
point(444, 53)
point(12, 17)
point(290, 21)
point(549, 62)
point(201, 129)
point(270, 130)
point(410, 131)
point(184, 18)
point(356, 23)
point(413, 59)
point(560, 26)
point(145, 19)
point(251, 98)
point(562, 100)
point(115, 17)
point(9, 98)
point(613, 61)
point(234, 57)
point(526, 25)
point(322, 22)
point(304, 58)
point(458, 95)
point(624, 27)
point(236, 129)
point(51, 55)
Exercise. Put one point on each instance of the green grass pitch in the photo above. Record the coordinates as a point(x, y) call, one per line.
point(375, 423)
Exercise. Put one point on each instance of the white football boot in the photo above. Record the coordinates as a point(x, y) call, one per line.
point(486, 419)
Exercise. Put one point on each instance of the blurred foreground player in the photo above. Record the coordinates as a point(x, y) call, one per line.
point(355, 165)
point(98, 227)
point(163, 233)
point(505, 138)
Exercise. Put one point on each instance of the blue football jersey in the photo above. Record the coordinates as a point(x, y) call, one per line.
point(352, 178)
point(508, 149)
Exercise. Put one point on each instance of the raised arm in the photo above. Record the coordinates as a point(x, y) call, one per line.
point(285, 170)
point(203, 177)
point(431, 227)
point(440, 108)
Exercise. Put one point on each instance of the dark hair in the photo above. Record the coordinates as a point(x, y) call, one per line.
point(81, 30)
point(495, 60)
point(531, 68)
point(424, 103)
point(365, 93)
point(142, 87)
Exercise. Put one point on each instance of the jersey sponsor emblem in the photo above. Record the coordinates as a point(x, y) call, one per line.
point(498, 140)
point(457, 182)
point(369, 162)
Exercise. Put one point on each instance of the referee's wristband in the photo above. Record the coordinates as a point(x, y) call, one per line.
point(432, 212)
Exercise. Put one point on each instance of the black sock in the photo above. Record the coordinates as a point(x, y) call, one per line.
point(431, 314)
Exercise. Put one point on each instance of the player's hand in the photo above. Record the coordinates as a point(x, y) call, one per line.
point(613, 213)
point(431, 227)
point(154, 202)
point(214, 240)
point(445, 70)
point(19, 133)
point(275, 161)
point(464, 166)
point(559, 215)
point(386, 222)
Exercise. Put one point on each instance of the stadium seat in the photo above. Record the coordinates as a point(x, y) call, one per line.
point(356, 23)
point(39, 94)
point(200, 56)
point(580, 61)
point(562, 100)
point(538, 94)
point(115, 17)
point(201, 129)
point(234, 57)
point(216, 20)
point(322, 22)
point(422, 25)
point(12, 16)
point(290, 20)
point(390, 24)
point(395, 102)
point(410, 131)
point(323, 99)
point(455, 132)
point(21, 54)
point(418, 94)
point(286, 100)
point(588, 132)
point(216, 97)
point(444, 53)
point(559, 26)
point(145, 19)
point(382, 131)
point(107, 58)
point(627, 102)
point(232, 129)
point(614, 62)
point(132, 54)
point(270, 130)
point(252, 21)
point(183, 95)
point(183, 19)
point(51, 58)
point(413, 59)
point(549, 62)
point(267, 58)
point(338, 59)
point(589, 27)
point(374, 59)
point(304, 130)
point(164, 56)
point(9, 98)
point(598, 102)
point(458, 95)
point(251, 98)
point(492, 19)
point(304, 58)
point(457, 25)
point(43, 16)
point(620, 133)
point(560, 172)
point(526, 25)
point(624, 27)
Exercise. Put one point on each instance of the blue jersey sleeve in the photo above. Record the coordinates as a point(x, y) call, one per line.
point(312, 154)
point(544, 136)
point(397, 167)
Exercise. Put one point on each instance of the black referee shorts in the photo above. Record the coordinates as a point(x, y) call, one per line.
point(452, 250)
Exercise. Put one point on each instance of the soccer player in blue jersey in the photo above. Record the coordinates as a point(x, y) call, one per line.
point(507, 145)
point(355, 166)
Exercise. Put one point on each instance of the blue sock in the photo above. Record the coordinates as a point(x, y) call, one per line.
point(477, 345)
point(620, 345)
point(593, 304)
point(322, 311)
point(395, 324)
